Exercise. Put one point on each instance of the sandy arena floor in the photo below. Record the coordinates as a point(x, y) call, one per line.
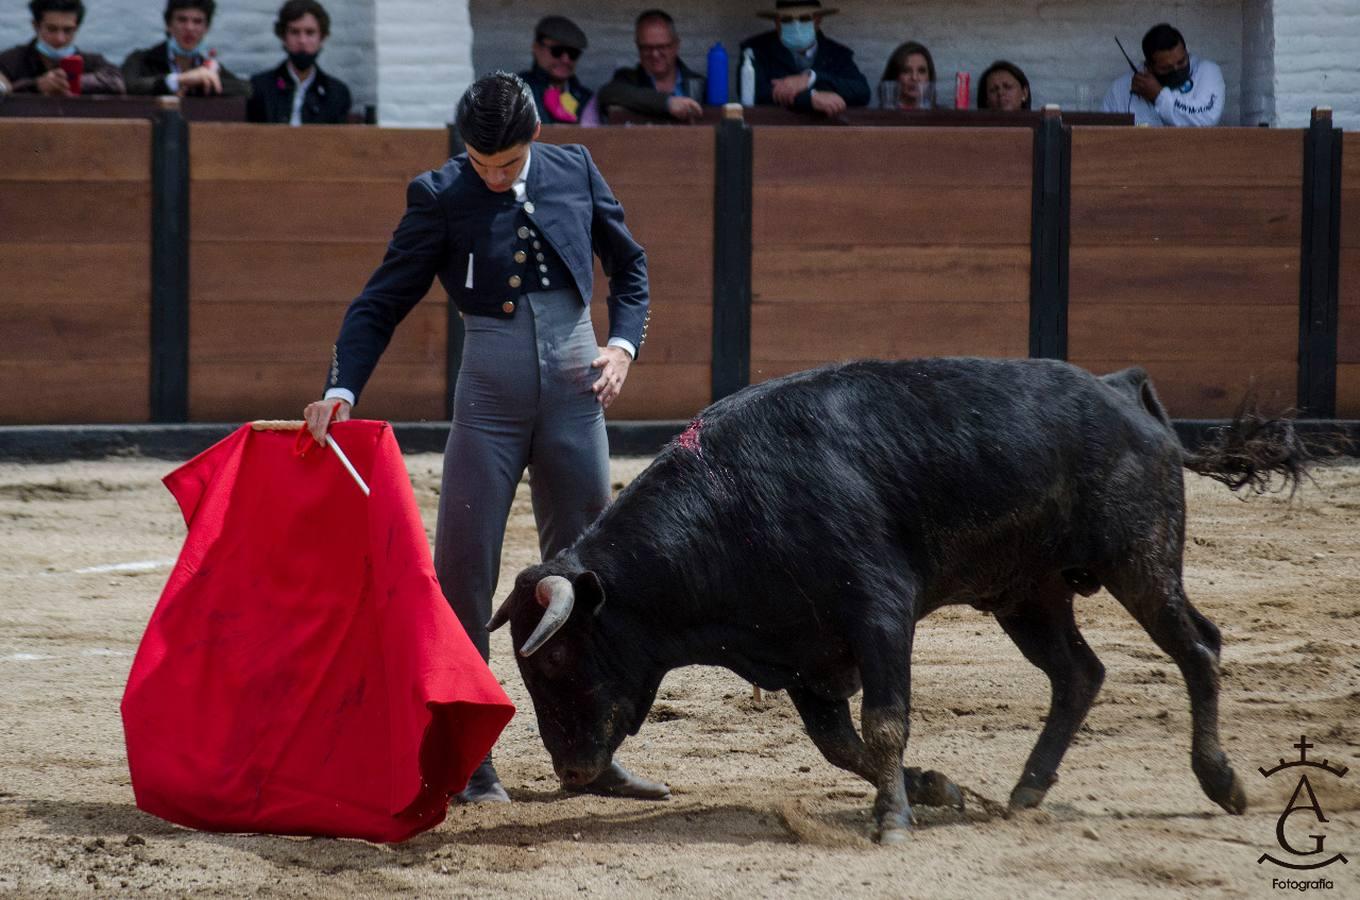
point(756, 811)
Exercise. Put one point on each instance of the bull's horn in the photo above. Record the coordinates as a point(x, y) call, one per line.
point(502, 615)
point(556, 595)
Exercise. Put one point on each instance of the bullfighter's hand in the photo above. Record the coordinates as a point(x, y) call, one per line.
point(685, 109)
point(787, 89)
point(1146, 85)
point(318, 415)
point(203, 77)
point(614, 362)
point(828, 103)
point(54, 83)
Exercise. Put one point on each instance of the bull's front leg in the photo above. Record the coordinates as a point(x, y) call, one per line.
point(829, 725)
point(884, 655)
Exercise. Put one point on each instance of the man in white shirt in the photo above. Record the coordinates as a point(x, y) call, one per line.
point(1173, 87)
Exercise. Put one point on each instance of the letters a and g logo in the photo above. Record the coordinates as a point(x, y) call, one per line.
point(1303, 801)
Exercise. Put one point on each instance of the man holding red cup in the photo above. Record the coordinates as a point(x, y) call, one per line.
point(50, 64)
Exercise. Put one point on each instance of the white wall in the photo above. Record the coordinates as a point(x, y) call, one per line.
point(423, 60)
point(242, 32)
point(1317, 61)
point(1060, 44)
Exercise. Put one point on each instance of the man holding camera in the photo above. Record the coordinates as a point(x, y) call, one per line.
point(50, 64)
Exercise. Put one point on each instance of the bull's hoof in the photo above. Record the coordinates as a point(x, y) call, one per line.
point(1025, 797)
point(1221, 785)
point(895, 835)
point(616, 781)
point(931, 788)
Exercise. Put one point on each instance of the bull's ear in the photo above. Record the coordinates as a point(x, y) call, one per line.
point(589, 592)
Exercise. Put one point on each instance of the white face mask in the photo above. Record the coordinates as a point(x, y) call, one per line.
point(51, 52)
point(797, 35)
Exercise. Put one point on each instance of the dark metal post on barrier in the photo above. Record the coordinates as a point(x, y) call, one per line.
point(1050, 223)
point(453, 341)
point(169, 265)
point(733, 173)
point(1319, 268)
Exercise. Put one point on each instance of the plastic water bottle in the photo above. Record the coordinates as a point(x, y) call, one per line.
point(717, 75)
point(748, 77)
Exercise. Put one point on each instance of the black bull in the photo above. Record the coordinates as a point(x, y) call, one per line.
point(799, 530)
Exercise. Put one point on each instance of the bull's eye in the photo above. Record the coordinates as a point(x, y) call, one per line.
point(554, 660)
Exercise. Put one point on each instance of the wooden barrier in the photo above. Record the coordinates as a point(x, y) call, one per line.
point(75, 270)
point(1185, 260)
point(1348, 301)
point(664, 179)
point(287, 224)
point(889, 243)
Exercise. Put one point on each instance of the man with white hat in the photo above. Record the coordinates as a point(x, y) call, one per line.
point(799, 67)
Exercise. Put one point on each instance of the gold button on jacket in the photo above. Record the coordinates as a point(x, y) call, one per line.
point(520, 256)
point(508, 306)
point(514, 281)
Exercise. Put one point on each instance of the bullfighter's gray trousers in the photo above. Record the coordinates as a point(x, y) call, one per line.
point(523, 398)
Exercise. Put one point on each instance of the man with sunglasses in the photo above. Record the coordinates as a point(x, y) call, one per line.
point(799, 67)
point(559, 95)
point(660, 85)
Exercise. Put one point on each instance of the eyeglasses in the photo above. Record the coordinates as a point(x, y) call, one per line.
point(655, 48)
point(560, 50)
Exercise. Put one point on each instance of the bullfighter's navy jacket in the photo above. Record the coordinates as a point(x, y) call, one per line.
point(457, 228)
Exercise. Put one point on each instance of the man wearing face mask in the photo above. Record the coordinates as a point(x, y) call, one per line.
point(181, 64)
point(35, 67)
point(297, 91)
point(1173, 88)
point(799, 67)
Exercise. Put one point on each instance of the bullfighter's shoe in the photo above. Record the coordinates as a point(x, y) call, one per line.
point(616, 781)
point(484, 786)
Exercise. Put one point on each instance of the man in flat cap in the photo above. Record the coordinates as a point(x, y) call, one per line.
point(560, 97)
point(799, 67)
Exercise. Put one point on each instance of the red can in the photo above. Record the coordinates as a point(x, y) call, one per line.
point(74, 67)
point(961, 90)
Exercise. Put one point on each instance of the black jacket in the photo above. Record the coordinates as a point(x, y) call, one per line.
point(632, 89)
point(539, 81)
point(834, 65)
point(454, 220)
point(144, 72)
point(271, 98)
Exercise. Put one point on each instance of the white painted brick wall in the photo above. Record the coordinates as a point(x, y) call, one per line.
point(1317, 61)
point(242, 32)
point(1258, 61)
point(1061, 44)
point(424, 60)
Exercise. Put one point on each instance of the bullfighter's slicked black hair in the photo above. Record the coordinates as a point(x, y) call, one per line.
point(1161, 37)
point(40, 8)
point(497, 113)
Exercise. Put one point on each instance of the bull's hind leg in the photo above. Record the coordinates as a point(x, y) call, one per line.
point(1046, 633)
point(829, 725)
point(1159, 604)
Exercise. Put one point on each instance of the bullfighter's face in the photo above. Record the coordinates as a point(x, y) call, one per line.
point(588, 692)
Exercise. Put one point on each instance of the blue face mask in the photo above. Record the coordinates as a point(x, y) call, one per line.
point(797, 35)
point(177, 50)
point(51, 52)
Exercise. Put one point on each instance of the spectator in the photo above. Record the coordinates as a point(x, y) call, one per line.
point(178, 64)
point(1172, 88)
point(910, 77)
point(296, 91)
point(660, 84)
point(35, 67)
point(799, 67)
point(1003, 86)
point(559, 96)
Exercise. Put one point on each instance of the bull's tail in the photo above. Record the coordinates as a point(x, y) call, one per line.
point(1253, 449)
